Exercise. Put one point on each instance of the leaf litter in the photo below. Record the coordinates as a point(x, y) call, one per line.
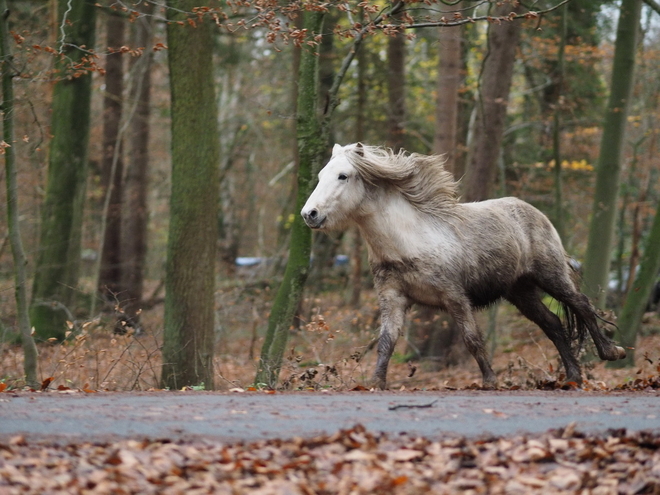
point(351, 461)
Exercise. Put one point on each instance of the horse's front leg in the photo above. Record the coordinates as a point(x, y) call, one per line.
point(393, 308)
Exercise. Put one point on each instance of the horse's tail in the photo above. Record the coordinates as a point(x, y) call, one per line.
point(577, 326)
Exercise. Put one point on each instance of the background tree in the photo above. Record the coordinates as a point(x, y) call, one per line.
point(601, 227)
point(311, 147)
point(112, 160)
point(133, 247)
point(450, 64)
point(13, 223)
point(396, 90)
point(638, 298)
point(191, 249)
point(491, 105)
point(58, 261)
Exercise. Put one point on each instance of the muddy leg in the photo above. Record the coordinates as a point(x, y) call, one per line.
point(464, 317)
point(584, 311)
point(526, 298)
point(393, 308)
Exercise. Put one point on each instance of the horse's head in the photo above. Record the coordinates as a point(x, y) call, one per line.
point(338, 193)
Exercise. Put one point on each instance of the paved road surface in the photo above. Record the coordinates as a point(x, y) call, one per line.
point(254, 416)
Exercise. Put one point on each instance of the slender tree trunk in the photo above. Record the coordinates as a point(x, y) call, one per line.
point(133, 246)
point(112, 163)
point(396, 87)
point(449, 79)
point(355, 285)
point(58, 259)
point(608, 169)
point(191, 248)
point(324, 246)
point(494, 86)
point(638, 296)
point(311, 146)
point(556, 128)
point(30, 354)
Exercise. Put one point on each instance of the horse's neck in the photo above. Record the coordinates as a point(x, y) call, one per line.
point(394, 230)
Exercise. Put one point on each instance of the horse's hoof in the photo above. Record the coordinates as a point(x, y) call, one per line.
point(489, 385)
point(614, 353)
point(577, 380)
point(378, 383)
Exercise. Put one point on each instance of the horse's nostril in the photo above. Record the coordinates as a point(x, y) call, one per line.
point(313, 214)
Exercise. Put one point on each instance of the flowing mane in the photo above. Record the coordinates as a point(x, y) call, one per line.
point(421, 179)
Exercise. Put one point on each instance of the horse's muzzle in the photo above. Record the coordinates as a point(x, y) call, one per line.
point(313, 219)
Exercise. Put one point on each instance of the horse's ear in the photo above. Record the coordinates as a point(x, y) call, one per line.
point(359, 149)
point(336, 149)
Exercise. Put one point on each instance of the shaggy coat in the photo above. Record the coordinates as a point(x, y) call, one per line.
point(426, 247)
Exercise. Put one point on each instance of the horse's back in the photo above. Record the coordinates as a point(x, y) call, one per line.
point(521, 224)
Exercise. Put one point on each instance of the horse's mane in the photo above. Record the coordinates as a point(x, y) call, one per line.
point(421, 179)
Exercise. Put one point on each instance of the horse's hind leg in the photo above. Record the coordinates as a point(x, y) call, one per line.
point(526, 297)
point(586, 315)
point(562, 289)
point(464, 318)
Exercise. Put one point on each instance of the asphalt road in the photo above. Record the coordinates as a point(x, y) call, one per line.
point(253, 416)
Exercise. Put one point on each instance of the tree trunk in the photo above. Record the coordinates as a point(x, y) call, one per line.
point(638, 296)
point(30, 355)
point(608, 169)
point(193, 232)
point(58, 259)
point(449, 79)
point(396, 87)
point(494, 86)
point(355, 281)
point(324, 246)
point(133, 246)
point(112, 164)
point(311, 146)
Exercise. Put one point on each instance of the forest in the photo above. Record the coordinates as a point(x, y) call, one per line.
point(157, 155)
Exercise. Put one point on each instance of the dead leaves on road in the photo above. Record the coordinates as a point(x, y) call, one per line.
point(351, 461)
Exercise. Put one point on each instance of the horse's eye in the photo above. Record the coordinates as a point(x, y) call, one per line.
point(343, 177)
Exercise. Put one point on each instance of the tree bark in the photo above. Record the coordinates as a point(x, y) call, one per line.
point(638, 296)
point(355, 281)
point(112, 164)
point(58, 259)
point(311, 145)
point(133, 245)
point(396, 87)
point(30, 355)
point(494, 86)
point(193, 232)
point(449, 80)
point(608, 168)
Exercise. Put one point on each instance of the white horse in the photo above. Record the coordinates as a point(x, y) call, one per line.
point(426, 247)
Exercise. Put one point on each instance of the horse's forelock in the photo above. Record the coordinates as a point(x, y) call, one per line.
point(422, 179)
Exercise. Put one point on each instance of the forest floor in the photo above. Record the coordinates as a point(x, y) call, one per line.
point(331, 351)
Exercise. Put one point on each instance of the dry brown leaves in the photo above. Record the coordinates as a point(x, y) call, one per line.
point(351, 461)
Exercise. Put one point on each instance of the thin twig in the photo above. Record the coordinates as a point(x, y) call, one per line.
point(412, 406)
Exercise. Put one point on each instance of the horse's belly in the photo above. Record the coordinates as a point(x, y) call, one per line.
point(427, 292)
